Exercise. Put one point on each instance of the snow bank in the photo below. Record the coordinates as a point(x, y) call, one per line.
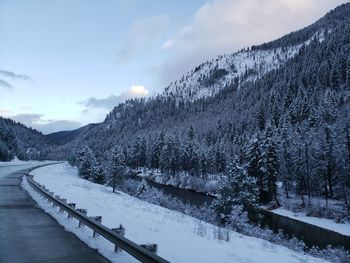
point(321, 222)
point(103, 246)
point(180, 238)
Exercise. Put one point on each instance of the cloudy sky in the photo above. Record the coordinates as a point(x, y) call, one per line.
point(66, 63)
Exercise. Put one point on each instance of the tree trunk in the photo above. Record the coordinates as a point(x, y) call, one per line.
point(275, 194)
point(286, 191)
point(114, 179)
point(308, 181)
point(329, 178)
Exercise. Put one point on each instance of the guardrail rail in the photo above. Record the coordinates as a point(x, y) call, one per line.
point(140, 253)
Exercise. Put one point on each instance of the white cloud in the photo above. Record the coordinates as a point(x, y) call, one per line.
point(224, 26)
point(37, 121)
point(143, 31)
point(136, 91)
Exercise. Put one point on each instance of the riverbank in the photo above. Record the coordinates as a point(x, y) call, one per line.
point(288, 209)
point(309, 231)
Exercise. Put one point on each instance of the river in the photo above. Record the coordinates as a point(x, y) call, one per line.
point(310, 234)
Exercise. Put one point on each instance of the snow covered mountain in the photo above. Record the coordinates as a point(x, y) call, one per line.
point(212, 76)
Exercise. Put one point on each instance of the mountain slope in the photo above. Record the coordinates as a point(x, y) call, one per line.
point(293, 109)
point(210, 77)
point(19, 140)
point(63, 137)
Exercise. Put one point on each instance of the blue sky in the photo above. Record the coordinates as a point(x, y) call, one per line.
point(66, 63)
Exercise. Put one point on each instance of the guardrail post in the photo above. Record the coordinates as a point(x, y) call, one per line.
point(97, 219)
point(83, 211)
point(150, 247)
point(64, 200)
point(121, 231)
point(72, 205)
point(58, 198)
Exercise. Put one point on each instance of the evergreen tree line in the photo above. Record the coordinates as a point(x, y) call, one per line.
point(291, 125)
point(25, 143)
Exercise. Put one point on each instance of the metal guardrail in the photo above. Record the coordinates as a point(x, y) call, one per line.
point(138, 252)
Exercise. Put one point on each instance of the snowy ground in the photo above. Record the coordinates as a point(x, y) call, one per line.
point(291, 207)
point(208, 184)
point(321, 222)
point(180, 238)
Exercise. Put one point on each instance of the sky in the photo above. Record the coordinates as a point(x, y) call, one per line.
point(67, 63)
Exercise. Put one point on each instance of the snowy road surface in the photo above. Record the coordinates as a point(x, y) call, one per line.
point(27, 233)
point(180, 238)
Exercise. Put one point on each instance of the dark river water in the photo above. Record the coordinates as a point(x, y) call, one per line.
point(310, 234)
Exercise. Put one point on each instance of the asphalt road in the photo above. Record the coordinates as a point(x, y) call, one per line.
point(28, 234)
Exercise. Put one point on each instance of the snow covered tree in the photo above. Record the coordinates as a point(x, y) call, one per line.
point(255, 168)
point(85, 162)
point(117, 166)
point(271, 163)
point(261, 119)
point(239, 189)
point(348, 75)
point(4, 152)
point(166, 156)
point(286, 167)
point(143, 153)
point(98, 175)
point(189, 156)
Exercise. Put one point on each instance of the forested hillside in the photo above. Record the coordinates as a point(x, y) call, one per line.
point(280, 110)
point(286, 118)
point(21, 141)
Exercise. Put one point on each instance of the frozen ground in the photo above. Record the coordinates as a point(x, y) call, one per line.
point(321, 222)
point(180, 238)
point(316, 206)
point(208, 184)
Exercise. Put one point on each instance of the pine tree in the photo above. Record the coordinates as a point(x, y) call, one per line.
point(261, 119)
point(330, 159)
point(276, 115)
point(85, 166)
point(143, 153)
point(324, 74)
point(271, 164)
point(239, 189)
point(348, 75)
point(156, 150)
point(190, 156)
point(4, 152)
point(166, 155)
point(136, 153)
point(255, 168)
point(117, 166)
point(98, 175)
point(335, 77)
point(286, 164)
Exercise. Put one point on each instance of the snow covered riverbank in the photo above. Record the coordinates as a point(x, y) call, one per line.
point(329, 224)
point(180, 238)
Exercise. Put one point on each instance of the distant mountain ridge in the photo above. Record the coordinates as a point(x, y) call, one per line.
point(63, 137)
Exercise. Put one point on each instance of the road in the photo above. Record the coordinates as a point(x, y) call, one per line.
point(27, 233)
